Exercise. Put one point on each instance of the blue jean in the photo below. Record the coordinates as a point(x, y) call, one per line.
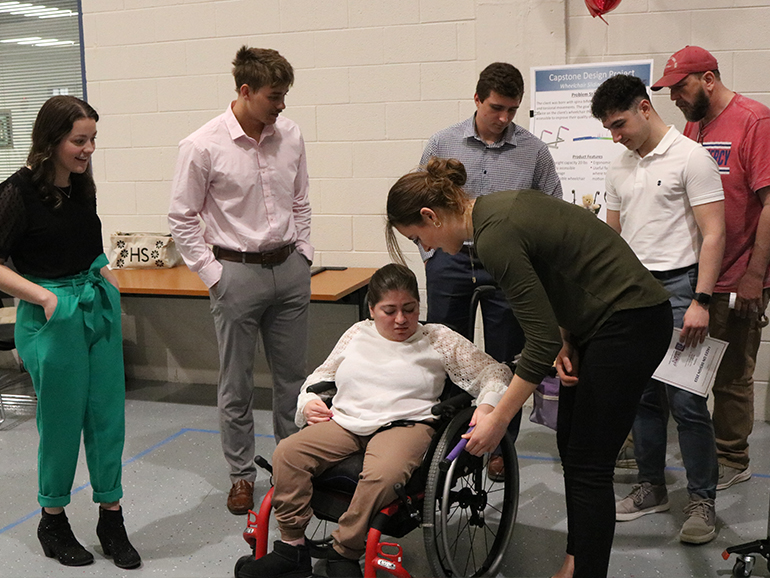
point(450, 286)
point(694, 426)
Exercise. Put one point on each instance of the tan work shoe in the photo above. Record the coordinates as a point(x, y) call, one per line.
point(730, 476)
point(643, 499)
point(700, 526)
point(241, 497)
point(626, 458)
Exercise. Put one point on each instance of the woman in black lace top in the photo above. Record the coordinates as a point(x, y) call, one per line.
point(68, 329)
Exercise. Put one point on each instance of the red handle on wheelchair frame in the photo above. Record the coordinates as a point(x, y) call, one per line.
point(390, 563)
point(255, 533)
point(376, 558)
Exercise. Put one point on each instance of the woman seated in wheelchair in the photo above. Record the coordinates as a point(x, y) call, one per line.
point(389, 372)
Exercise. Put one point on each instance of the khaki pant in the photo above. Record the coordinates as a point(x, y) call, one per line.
point(734, 386)
point(390, 457)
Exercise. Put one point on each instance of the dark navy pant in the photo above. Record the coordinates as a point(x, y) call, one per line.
point(450, 286)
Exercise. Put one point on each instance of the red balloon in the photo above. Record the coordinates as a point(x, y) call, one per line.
point(599, 7)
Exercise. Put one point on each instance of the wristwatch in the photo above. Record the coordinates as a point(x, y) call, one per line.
point(703, 298)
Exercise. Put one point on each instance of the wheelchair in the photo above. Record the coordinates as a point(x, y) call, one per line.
point(467, 518)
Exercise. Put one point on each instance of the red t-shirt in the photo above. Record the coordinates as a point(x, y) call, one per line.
point(739, 140)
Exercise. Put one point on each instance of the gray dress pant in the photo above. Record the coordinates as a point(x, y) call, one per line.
point(250, 299)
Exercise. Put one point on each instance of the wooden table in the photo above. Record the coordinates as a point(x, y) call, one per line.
point(347, 286)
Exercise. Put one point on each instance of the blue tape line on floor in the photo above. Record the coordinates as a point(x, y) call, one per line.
point(211, 431)
point(125, 463)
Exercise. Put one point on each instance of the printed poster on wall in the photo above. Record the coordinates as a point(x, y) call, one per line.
point(561, 117)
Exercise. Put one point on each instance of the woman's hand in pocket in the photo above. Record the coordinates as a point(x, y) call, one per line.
point(49, 304)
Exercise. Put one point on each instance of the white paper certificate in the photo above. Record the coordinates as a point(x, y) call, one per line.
point(693, 368)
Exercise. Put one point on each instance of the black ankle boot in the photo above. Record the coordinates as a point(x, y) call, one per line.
point(59, 542)
point(284, 561)
point(337, 566)
point(114, 540)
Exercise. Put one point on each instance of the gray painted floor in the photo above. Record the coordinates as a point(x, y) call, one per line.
point(176, 485)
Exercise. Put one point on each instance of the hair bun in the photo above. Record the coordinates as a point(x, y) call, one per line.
point(452, 170)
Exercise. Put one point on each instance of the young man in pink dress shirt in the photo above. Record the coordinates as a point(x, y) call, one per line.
point(240, 215)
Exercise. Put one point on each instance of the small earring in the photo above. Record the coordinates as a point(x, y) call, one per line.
point(437, 224)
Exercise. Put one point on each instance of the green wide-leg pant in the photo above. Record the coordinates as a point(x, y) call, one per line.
point(75, 360)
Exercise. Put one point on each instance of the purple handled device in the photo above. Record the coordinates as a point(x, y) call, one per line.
point(451, 456)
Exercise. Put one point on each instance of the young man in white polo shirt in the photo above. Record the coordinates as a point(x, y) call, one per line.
point(664, 196)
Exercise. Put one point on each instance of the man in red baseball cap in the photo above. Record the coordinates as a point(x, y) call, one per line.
point(736, 131)
point(689, 60)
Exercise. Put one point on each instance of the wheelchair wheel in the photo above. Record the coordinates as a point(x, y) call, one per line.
point(468, 518)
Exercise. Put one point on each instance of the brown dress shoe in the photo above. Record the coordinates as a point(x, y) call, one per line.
point(496, 469)
point(241, 497)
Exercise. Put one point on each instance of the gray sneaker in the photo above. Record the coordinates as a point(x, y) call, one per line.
point(644, 499)
point(626, 458)
point(700, 526)
point(729, 476)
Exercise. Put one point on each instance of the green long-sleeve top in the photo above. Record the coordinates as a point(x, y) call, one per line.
point(558, 265)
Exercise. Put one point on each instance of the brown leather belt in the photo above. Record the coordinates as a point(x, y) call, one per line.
point(266, 258)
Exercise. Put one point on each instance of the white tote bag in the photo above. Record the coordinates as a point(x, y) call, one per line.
point(143, 251)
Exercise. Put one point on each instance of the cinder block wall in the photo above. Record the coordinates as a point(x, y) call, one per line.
point(373, 80)
point(732, 30)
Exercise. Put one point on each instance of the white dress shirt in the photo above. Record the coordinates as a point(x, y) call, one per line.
point(234, 192)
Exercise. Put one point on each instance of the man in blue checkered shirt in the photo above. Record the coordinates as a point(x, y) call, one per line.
point(498, 155)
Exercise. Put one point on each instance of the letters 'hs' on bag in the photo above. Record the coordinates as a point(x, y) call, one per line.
point(143, 251)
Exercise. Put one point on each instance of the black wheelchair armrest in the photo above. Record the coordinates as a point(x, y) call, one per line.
point(325, 390)
point(451, 406)
point(321, 387)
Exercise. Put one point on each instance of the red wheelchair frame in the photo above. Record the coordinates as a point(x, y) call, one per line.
point(445, 497)
point(256, 535)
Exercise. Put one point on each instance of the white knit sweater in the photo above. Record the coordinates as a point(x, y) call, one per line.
point(380, 381)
